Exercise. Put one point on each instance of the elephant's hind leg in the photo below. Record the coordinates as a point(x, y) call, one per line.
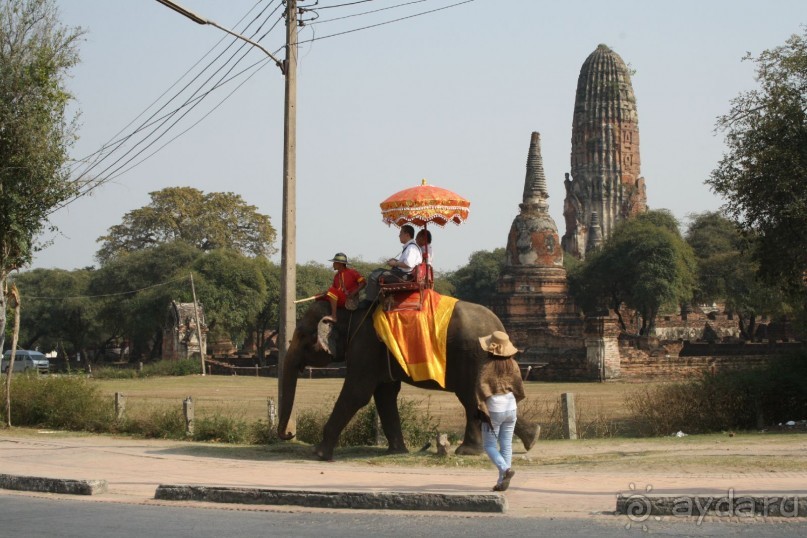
point(528, 432)
point(386, 402)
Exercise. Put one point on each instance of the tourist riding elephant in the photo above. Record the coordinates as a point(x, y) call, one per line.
point(371, 372)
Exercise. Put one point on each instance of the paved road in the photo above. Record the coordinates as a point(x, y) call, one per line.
point(559, 501)
point(34, 517)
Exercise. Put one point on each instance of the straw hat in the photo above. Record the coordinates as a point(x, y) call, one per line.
point(498, 344)
point(340, 257)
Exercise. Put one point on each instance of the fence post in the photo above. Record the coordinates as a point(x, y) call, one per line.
point(140, 366)
point(187, 408)
point(272, 413)
point(569, 415)
point(120, 405)
point(257, 371)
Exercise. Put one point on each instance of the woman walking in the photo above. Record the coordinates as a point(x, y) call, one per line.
point(498, 392)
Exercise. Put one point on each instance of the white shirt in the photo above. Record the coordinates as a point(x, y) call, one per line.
point(499, 403)
point(410, 255)
point(424, 250)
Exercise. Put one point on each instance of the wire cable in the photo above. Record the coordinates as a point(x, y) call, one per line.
point(105, 294)
point(219, 56)
point(382, 23)
point(367, 12)
point(192, 101)
point(114, 140)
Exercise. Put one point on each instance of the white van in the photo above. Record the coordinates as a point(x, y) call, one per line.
point(26, 361)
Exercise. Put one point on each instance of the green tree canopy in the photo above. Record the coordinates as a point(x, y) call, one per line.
point(36, 132)
point(58, 311)
point(208, 221)
point(643, 265)
point(137, 290)
point(233, 291)
point(728, 272)
point(763, 174)
point(476, 281)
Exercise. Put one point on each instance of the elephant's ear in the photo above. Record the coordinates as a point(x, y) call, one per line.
point(328, 338)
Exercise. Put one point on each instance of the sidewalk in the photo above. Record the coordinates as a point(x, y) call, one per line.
point(134, 468)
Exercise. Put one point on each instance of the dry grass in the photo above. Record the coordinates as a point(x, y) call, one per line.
point(246, 398)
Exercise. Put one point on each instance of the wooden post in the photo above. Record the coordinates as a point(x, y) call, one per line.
point(187, 408)
point(271, 413)
point(120, 405)
point(569, 415)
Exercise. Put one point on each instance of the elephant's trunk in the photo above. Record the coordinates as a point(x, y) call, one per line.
point(288, 387)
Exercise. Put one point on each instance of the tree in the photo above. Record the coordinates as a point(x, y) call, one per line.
point(207, 221)
point(763, 174)
point(137, 289)
point(36, 131)
point(58, 310)
point(233, 290)
point(644, 265)
point(728, 272)
point(476, 282)
point(718, 244)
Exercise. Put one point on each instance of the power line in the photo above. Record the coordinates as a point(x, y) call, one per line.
point(365, 12)
point(105, 294)
point(383, 23)
point(187, 101)
point(113, 140)
point(348, 4)
point(192, 101)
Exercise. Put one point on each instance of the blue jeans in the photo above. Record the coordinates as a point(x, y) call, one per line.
point(497, 438)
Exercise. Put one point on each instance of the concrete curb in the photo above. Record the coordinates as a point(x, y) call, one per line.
point(382, 500)
point(52, 485)
point(641, 506)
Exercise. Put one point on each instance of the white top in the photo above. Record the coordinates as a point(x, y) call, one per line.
point(423, 250)
point(410, 255)
point(499, 403)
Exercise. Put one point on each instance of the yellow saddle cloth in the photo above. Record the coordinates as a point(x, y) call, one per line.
point(417, 338)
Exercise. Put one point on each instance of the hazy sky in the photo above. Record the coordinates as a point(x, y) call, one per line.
point(450, 96)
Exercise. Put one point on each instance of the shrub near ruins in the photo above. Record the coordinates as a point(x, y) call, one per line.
point(727, 400)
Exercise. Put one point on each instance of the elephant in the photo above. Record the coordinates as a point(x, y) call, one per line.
point(371, 372)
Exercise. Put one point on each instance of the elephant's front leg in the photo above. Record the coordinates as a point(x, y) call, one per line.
point(350, 400)
point(386, 402)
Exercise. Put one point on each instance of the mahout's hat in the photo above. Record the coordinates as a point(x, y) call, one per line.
point(340, 257)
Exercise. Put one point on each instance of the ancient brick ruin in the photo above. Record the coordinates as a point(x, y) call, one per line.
point(532, 298)
point(605, 184)
point(180, 337)
point(557, 340)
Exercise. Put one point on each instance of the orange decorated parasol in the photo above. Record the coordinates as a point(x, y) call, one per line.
point(425, 204)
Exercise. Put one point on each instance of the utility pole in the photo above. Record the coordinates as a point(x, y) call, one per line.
point(288, 249)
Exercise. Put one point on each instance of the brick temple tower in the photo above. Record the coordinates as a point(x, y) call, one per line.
point(606, 184)
point(531, 295)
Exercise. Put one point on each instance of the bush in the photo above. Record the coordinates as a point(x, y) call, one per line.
point(592, 423)
point(70, 403)
point(728, 400)
point(221, 429)
point(157, 424)
point(417, 427)
point(164, 368)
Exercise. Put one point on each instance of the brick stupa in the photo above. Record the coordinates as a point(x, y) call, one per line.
point(531, 294)
point(605, 175)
